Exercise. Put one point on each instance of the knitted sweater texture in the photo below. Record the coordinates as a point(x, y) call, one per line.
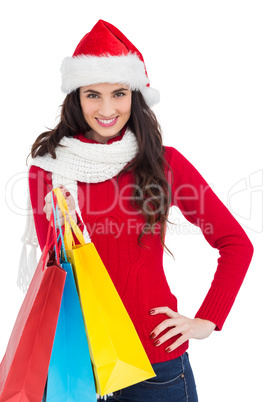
point(137, 272)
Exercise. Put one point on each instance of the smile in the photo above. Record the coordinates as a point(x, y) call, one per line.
point(107, 122)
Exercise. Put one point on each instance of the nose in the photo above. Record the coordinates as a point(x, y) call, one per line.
point(107, 108)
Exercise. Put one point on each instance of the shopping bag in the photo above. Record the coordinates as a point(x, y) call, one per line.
point(23, 370)
point(70, 375)
point(118, 357)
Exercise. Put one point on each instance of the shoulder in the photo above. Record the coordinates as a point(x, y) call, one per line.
point(34, 169)
point(181, 169)
point(169, 152)
point(37, 174)
point(175, 158)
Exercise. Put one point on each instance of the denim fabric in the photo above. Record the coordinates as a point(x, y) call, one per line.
point(174, 382)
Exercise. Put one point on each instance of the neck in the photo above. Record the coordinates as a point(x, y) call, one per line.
point(92, 135)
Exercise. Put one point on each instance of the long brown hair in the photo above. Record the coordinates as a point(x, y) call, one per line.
point(148, 165)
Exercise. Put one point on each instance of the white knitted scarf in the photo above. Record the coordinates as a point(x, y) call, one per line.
point(75, 161)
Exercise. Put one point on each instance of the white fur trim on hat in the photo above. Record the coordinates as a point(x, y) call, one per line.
point(126, 69)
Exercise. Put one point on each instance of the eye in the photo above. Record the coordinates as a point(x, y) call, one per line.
point(92, 96)
point(119, 94)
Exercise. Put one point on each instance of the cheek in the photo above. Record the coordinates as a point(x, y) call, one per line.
point(126, 107)
point(87, 110)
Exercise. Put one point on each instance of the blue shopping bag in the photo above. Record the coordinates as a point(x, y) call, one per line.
point(70, 375)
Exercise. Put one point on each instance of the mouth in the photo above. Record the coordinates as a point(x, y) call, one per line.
point(107, 122)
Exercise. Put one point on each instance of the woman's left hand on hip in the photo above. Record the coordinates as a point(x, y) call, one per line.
point(188, 328)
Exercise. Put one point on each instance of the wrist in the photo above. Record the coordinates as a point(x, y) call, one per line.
point(210, 324)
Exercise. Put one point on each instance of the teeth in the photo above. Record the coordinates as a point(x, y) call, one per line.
point(107, 121)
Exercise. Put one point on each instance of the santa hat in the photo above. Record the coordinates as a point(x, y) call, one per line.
point(106, 55)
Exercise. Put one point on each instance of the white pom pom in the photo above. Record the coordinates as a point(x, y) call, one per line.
point(151, 96)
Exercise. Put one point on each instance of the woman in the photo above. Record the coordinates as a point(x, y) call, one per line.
point(119, 181)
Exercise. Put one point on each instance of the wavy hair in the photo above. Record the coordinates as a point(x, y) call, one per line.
point(152, 193)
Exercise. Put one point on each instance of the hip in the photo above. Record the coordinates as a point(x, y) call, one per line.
point(174, 382)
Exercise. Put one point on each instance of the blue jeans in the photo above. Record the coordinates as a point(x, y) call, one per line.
point(174, 382)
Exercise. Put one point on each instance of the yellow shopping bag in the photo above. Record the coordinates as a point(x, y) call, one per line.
point(118, 357)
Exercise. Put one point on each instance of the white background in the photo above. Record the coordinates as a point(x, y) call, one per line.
point(209, 61)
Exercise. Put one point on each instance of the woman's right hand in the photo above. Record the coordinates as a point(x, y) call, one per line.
point(70, 202)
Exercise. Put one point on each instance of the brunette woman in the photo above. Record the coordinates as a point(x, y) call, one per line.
point(119, 180)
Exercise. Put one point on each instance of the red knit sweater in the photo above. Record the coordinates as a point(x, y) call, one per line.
point(137, 272)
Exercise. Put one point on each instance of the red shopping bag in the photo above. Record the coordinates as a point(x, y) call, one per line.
point(24, 368)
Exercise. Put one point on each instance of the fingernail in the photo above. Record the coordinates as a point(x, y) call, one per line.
point(152, 336)
point(157, 343)
point(151, 312)
point(168, 350)
point(68, 194)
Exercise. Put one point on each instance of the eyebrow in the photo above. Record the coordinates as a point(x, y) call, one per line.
point(98, 93)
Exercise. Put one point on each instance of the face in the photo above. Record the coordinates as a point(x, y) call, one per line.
point(106, 108)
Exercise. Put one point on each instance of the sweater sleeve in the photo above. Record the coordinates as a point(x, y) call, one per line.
point(40, 184)
point(200, 206)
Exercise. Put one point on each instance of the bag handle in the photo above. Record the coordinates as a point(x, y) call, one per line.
point(57, 219)
point(49, 245)
point(69, 224)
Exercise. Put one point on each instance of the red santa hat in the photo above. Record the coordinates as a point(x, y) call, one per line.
point(106, 55)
